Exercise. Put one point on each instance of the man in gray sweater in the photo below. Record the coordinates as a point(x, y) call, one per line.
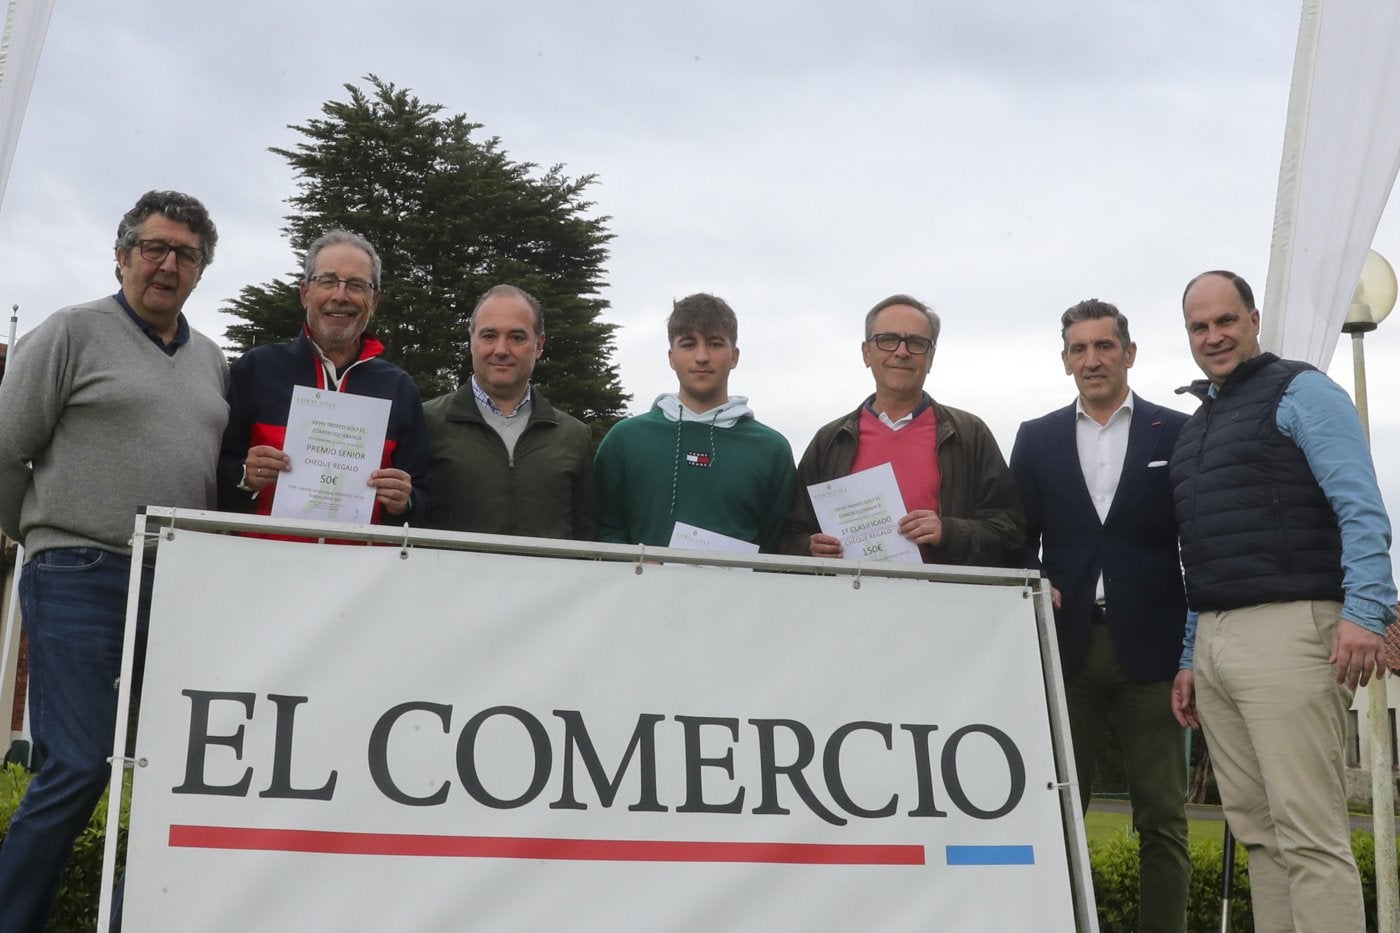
point(108, 406)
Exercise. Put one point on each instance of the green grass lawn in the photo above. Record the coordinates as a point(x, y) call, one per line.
point(1100, 827)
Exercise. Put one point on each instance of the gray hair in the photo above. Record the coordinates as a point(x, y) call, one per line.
point(1091, 309)
point(174, 205)
point(337, 238)
point(933, 323)
point(509, 291)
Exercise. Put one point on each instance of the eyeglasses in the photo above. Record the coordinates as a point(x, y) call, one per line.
point(917, 345)
point(186, 257)
point(357, 287)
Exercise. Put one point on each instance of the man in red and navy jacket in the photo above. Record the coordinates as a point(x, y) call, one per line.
point(340, 292)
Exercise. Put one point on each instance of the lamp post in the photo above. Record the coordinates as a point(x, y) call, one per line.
point(1370, 304)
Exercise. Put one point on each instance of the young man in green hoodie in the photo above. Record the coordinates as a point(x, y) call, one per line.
point(698, 457)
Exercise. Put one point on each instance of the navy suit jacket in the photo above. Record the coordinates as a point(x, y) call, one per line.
point(1135, 546)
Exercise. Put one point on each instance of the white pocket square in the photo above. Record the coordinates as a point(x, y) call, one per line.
point(1157, 463)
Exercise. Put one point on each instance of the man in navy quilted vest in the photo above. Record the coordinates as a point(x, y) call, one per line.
point(1286, 547)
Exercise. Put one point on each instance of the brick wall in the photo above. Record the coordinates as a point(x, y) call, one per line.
point(21, 685)
point(22, 671)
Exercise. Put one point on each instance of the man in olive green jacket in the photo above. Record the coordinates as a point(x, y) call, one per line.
point(505, 461)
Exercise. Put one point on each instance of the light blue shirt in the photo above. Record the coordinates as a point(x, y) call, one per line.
point(1318, 416)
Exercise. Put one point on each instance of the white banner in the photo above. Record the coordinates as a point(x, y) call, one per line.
point(338, 738)
point(21, 40)
point(1341, 151)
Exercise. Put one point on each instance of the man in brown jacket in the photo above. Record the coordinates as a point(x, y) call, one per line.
point(962, 503)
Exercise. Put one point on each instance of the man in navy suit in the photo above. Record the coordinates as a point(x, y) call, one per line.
point(1101, 528)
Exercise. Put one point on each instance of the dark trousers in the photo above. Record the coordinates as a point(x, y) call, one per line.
point(1154, 757)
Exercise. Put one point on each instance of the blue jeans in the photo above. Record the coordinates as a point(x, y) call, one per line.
point(74, 604)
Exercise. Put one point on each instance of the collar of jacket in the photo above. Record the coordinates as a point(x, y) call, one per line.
point(463, 407)
point(945, 420)
point(1201, 387)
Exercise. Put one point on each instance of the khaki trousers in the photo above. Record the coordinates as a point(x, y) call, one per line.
point(1275, 721)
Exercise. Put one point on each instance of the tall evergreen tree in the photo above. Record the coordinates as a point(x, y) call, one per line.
point(451, 216)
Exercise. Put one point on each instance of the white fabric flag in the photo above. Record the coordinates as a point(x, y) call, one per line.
point(26, 24)
point(1341, 151)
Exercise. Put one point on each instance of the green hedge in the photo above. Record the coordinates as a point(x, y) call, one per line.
point(1114, 866)
point(76, 909)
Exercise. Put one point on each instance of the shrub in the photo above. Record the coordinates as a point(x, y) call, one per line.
point(1114, 868)
point(1363, 845)
point(78, 897)
point(1203, 897)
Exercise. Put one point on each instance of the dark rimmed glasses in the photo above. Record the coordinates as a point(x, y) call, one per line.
point(889, 342)
point(186, 257)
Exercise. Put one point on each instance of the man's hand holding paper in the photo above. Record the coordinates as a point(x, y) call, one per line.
point(857, 517)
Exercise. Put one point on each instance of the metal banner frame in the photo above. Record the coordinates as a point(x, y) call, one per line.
point(158, 523)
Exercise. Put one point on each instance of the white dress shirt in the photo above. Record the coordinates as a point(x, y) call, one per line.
point(1102, 449)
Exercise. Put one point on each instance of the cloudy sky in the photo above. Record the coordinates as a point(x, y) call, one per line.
point(1000, 160)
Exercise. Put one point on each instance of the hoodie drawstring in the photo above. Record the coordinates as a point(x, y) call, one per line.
point(676, 460)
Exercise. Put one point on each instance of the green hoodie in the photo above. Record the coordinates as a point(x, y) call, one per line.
point(719, 470)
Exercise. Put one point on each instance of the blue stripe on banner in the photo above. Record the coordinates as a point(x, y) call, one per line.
point(990, 855)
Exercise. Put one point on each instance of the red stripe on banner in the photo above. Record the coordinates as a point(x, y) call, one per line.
point(588, 850)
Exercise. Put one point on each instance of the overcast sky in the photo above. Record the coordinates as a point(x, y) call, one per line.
point(999, 160)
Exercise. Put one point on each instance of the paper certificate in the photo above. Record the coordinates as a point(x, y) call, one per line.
point(864, 510)
point(700, 539)
point(335, 441)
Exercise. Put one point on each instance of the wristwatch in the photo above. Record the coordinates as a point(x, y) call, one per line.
point(243, 483)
